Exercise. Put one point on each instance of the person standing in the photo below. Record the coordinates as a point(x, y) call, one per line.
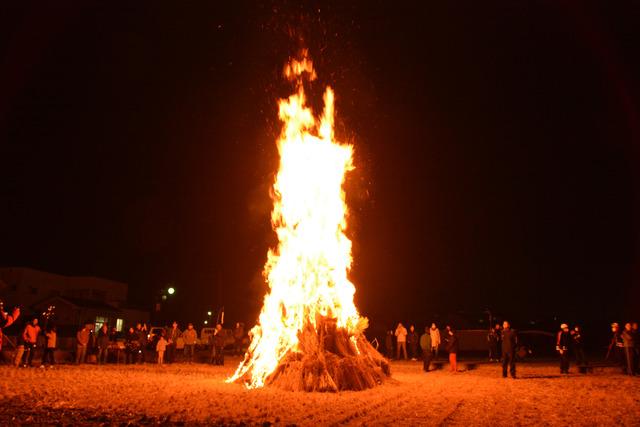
point(161, 347)
point(636, 349)
point(190, 337)
point(82, 341)
point(508, 350)
point(498, 330)
point(238, 336)
point(388, 343)
point(492, 341)
point(563, 339)
point(7, 320)
point(412, 341)
point(401, 337)
point(141, 331)
point(172, 338)
point(452, 348)
point(30, 339)
point(616, 345)
point(578, 346)
point(102, 343)
point(50, 347)
point(425, 346)
point(131, 346)
point(629, 347)
point(218, 345)
point(435, 341)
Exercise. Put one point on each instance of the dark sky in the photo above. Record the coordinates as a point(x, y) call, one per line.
point(496, 149)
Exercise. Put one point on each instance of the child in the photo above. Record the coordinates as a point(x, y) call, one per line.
point(161, 346)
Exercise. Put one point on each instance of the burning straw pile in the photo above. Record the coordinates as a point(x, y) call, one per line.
point(330, 360)
point(310, 335)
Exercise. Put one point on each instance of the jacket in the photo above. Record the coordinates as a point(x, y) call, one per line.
point(412, 338)
point(52, 338)
point(425, 342)
point(401, 334)
point(83, 337)
point(30, 334)
point(161, 345)
point(562, 341)
point(173, 335)
point(435, 337)
point(509, 341)
point(452, 344)
point(103, 339)
point(627, 338)
point(6, 320)
point(190, 336)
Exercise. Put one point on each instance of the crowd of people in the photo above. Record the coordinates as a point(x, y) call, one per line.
point(136, 345)
point(503, 346)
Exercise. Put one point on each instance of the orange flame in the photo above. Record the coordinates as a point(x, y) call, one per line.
point(307, 272)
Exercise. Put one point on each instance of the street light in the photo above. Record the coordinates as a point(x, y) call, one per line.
point(171, 291)
point(208, 313)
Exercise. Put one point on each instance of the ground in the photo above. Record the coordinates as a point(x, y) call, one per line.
point(193, 394)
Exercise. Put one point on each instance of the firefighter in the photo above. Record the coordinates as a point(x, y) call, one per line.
point(562, 347)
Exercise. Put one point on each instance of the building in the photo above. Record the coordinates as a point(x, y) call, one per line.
point(77, 300)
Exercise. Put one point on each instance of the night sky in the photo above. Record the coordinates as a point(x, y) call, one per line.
point(496, 150)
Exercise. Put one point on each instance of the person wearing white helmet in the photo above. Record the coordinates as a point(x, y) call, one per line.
point(562, 346)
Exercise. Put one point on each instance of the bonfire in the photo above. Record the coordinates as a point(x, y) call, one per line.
point(310, 335)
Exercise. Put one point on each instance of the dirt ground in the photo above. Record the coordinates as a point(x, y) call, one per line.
point(196, 394)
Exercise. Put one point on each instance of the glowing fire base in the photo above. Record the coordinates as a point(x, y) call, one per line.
point(330, 360)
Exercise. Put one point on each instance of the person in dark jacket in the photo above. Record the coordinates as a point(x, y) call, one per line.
point(616, 345)
point(425, 345)
point(141, 331)
point(172, 335)
point(412, 342)
point(563, 340)
point(131, 346)
point(102, 342)
point(578, 346)
point(218, 345)
point(452, 349)
point(509, 344)
point(629, 347)
point(493, 339)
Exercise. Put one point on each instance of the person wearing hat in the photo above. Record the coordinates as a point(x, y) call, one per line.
point(562, 346)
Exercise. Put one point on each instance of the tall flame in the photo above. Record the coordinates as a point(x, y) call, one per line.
point(307, 272)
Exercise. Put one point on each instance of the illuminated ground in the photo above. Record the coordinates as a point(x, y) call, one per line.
point(196, 393)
